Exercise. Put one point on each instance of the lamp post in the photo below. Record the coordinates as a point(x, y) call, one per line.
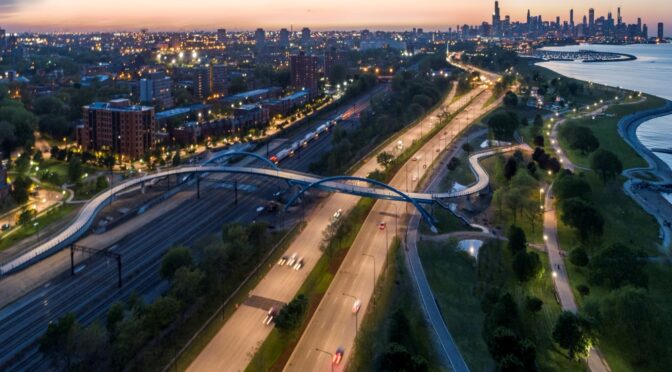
point(373, 294)
point(541, 199)
point(356, 312)
point(330, 355)
point(37, 225)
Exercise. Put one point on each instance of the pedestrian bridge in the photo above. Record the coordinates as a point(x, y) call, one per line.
point(344, 184)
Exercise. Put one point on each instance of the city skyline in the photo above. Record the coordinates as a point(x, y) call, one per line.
point(125, 15)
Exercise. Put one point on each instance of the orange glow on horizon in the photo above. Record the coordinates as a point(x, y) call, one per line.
point(85, 15)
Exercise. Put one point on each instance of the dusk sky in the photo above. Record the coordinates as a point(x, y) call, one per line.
point(88, 15)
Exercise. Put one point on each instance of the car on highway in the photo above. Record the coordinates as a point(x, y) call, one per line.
point(382, 225)
point(415, 158)
point(414, 178)
point(270, 315)
point(5, 226)
point(299, 264)
point(283, 260)
point(338, 356)
point(356, 306)
point(292, 259)
point(337, 214)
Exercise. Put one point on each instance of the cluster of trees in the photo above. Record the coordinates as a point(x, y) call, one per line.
point(515, 188)
point(526, 264)
point(493, 58)
point(580, 138)
point(400, 353)
point(16, 124)
point(223, 262)
point(545, 161)
point(503, 125)
point(503, 333)
point(412, 96)
point(290, 316)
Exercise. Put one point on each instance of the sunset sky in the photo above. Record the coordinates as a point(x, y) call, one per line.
point(88, 15)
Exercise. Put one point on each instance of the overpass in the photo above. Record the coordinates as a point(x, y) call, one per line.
point(344, 184)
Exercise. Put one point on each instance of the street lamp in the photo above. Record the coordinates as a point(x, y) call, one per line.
point(37, 225)
point(373, 294)
point(356, 312)
point(331, 357)
point(541, 196)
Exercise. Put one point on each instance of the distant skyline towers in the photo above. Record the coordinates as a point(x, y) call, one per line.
point(571, 18)
point(591, 20)
point(284, 38)
point(660, 31)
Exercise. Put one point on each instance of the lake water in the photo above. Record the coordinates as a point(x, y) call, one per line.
point(651, 73)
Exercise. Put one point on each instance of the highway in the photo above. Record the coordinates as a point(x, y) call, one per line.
point(332, 325)
point(234, 345)
point(90, 293)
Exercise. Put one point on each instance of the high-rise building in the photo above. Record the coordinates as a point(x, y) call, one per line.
point(260, 38)
point(119, 128)
point(284, 38)
point(639, 24)
point(496, 19)
point(303, 69)
point(203, 82)
point(571, 18)
point(221, 35)
point(219, 73)
point(660, 31)
point(156, 89)
point(591, 21)
point(3, 39)
point(645, 32)
point(619, 20)
point(305, 36)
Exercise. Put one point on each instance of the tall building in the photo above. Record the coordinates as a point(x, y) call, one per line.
point(303, 69)
point(119, 128)
point(496, 19)
point(660, 31)
point(619, 20)
point(221, 35)
point(218, 75)
point(645, 32)
point(260, 38)
point(284, 38)
point(156, 89)
point(3, 39)
point(203, 82)
point(591, 21)
point(571, 18)
point(305, 36)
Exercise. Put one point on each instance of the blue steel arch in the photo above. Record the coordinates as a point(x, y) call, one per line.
point(428, 217)
point(241, 153)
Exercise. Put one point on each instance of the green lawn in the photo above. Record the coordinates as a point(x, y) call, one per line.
point(605, 129)
point(453, 278)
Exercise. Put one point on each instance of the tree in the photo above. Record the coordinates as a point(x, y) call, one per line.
point(26, 217)
point(510, 99)
point(58, 341)
point(510, 351)
point(163, 311)
point(617, 266)
point(581, 216)
point(101, 183)
point(187, 284)
point(527, 266)
point(539, 141)
point(291, 314)
point(580, 138)
point(568, 186)
point(510, 168)
point(579, 257)
point(114, 315)
point(20, 189)
point(606, 164)
point(74, 169)
point(397, 358)
point(466, 147)
point(174, 259)
point(538, 120)
point(503, 125)
point(176, 158)
point(533, 304)
point(517, 240)
point(575, 334)
point(632, 320)
point(384, 159)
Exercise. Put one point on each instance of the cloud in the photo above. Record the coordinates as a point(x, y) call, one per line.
point(9, 6)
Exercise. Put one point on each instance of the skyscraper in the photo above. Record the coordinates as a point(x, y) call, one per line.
point(591, 21)
point(284, 38)
point(496, 20)
point(221, 35)
point(260, 38)
point(619, 20)
point(305, 36)
point(571, 18)
point(660, 31)
point(303, 69)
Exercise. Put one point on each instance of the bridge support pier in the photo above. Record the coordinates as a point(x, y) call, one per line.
point(142, 188)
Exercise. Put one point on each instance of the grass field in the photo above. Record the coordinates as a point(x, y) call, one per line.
point(453, 278)
point(44, 221)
